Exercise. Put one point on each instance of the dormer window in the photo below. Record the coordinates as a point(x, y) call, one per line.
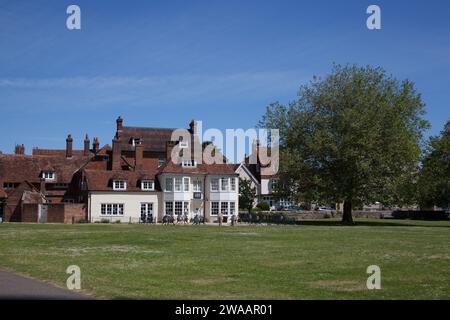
point(135, 141)
point(147, 185)
point(48, 175)
point(189, 163)
point(8, 185)
point(119, 185)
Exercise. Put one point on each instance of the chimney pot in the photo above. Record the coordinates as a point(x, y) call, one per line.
point(87, 142)
point(95, 145)
point(119, 123)
point(69, 142)
point(20, 149)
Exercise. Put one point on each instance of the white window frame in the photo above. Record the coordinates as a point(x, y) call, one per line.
point(108, 209)
point(213, 209)
point(178, 208)
point(168, 205)
point(178, 184)
point(215, 182)
point(147, 208)
point(148, 185)
point(48, 175)
point(119, 185)
point(186, 184)
point(233, 184)
point(232, 208)
point(197, 185)
point(227, 184)
point(189, 163)
point(169, 182)
point(224, 205)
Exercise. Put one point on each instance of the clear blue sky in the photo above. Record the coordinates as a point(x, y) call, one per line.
point(162, 63)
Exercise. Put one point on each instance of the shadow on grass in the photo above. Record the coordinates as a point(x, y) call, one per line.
point(380, 223)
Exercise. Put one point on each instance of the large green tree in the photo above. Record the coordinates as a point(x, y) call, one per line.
point(434, 177)
point(352, 137)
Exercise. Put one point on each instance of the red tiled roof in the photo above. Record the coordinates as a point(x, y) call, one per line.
point(153, 139)
point(55, 152)
point(101, 180)
point(18, 168)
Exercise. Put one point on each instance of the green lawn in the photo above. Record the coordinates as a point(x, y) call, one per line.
point(316, 260)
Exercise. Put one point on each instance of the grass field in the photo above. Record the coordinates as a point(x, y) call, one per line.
point(316, 260)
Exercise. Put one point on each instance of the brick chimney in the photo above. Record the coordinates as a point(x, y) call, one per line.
point(138, 156)
point(87, 143)
point(69, 142)
point(96, 145)
point(20, 149)
point(116, 153)
point(119, 123)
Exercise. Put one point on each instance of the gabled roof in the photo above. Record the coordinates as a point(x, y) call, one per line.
point(153, 139)
point(101, 180)
point(244, 167)
point(17, 168)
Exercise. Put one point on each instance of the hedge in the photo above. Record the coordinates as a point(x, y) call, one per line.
point(420, 215)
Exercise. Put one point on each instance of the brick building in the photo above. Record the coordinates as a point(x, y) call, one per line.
point(134, 176)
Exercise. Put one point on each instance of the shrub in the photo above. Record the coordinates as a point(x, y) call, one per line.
point(264, 206)
point(105, 221)
point(117, 221)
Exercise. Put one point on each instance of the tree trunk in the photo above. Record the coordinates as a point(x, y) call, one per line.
point(347, 217)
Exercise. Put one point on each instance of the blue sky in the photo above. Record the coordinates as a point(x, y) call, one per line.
point(162, 63)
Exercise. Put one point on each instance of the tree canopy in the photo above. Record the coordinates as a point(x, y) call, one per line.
point(434, 178)
point(350, 137)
